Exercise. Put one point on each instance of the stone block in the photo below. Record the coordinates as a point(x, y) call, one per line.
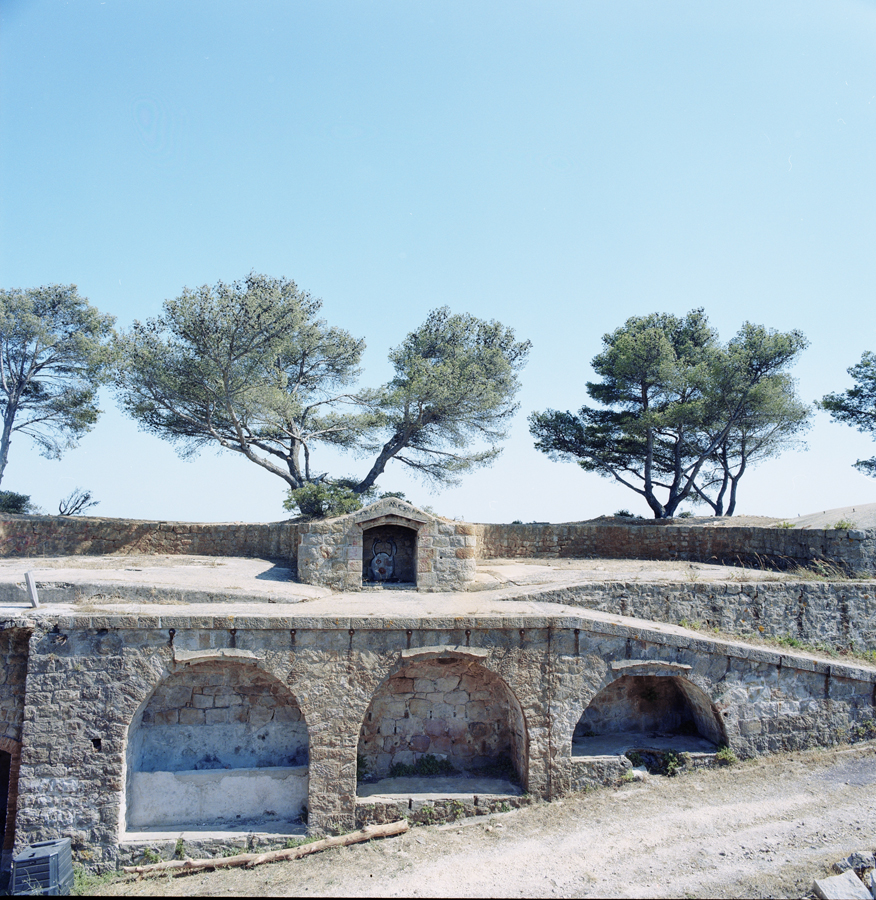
point(420, 743)
point(442, 745)
point(454, 698)
point(217, 716)
point(476, 711)
point(167, 717)
point(189, 716)
point(841, 887)
point(435, 727)
point(420, 708)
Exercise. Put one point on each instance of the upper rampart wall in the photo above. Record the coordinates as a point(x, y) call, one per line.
point(854, 550)
point(63, 536)
point(94, 536)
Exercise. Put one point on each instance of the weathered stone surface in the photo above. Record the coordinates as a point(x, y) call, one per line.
point(853, 550)
point(388, 542)
point(841, 887)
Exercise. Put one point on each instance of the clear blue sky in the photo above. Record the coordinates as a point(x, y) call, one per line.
point(559, 166)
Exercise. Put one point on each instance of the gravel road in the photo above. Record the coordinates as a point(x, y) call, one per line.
point(763, 828)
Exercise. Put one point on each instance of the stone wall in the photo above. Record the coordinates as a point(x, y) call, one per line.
point(638, 704)
point(853, 550)
point(335, 552)
point(13, 670)
point(72, 535)
point(453, 550)
point(89, 676)
point(841, 614)
point(451, 709)
point(218, 715)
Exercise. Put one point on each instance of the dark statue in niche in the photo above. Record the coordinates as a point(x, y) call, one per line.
point(389, 555)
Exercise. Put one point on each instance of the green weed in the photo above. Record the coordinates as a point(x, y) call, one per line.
point(672, 765)
point(84, 882)
point(726, 757)
point(863, 731)
point(427, 766)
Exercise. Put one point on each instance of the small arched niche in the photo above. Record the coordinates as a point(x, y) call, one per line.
point(444, 716)
point(217, 744)
point(389, 555)
point(662, 712)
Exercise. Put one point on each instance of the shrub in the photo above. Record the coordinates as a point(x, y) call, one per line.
point(845, 525)
point(19, 504)
point(426, 766)
point(726, 757)
point(76, 503)
point(324, 499)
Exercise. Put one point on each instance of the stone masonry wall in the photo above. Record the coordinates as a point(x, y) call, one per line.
point(841, 615)
point(13, 670)
point(72, 535)
point(451, 709)
point(854, 550)
point(638, 704)
point(89, 676)
point(218, 715)
point(332, 551)
point(59, 536)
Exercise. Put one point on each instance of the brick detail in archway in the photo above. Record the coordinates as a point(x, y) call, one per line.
point(13, 748)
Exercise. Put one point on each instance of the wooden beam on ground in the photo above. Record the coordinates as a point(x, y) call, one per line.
point(179, 866)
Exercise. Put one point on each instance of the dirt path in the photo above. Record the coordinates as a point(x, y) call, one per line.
point(764, 828)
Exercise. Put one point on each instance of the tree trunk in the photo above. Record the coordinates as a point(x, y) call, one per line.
point(393, 446)
point(6, 439)
point(254, 859)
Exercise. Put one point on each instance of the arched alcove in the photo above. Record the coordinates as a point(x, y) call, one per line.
point(220, 744)
point(10, 761)
point(453, 710)
point(389, 555)
point(668, 711)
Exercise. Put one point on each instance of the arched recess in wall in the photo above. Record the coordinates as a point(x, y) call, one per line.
point(655, 705)
point(10, 761)
point(217, 743)
point(389, 555)
point(452, 709)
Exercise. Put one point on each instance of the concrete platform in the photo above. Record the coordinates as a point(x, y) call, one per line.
point(454, 787)
point(620, 743)
point(277, 831)
point(205, 579)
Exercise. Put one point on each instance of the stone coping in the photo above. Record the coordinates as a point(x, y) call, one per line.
point(278, 831)
point(559, 620)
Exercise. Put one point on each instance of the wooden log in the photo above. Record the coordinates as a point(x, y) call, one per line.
point(369, 832)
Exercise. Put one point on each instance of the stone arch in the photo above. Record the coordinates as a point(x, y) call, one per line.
point(449, 706)
point(389, 553)
point(10, 763)
point(217, 741)
point(647, 703)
